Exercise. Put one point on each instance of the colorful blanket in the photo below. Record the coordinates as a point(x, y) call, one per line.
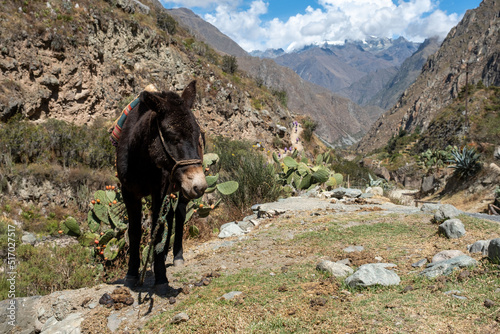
point(116, 128)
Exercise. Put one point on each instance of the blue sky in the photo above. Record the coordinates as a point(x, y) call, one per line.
point(292, 24)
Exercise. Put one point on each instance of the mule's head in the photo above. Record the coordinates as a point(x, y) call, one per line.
point(177, 142)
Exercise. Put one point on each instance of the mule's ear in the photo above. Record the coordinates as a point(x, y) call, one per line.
point(189, 94)
point(152, 100)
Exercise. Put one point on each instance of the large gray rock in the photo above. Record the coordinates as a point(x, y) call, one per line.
point(334, 268)
point(69, 325)
point(427, 186)
point(494, 250)
point(231, 230)
point(373, 274)
point(339, 192)
point(430, 207)
point(446, 255)
point(480, 246)
point(353, 193)
point(452, 228)
point(448, 266)
point(445, 212)
point(21, 310)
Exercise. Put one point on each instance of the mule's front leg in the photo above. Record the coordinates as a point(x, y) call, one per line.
point(158, 257)
point(180, 216)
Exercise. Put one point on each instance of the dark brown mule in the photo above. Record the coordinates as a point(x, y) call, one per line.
point(160, 151)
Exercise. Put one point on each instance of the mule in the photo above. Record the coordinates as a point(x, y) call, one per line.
point(160, 151)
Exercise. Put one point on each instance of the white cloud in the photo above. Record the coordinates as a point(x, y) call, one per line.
point(332, 20)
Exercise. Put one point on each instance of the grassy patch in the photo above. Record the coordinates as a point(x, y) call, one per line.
point(290, 296)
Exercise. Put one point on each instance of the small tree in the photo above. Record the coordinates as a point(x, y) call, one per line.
point(309, 126)
point(166, 22)
point(229, 64)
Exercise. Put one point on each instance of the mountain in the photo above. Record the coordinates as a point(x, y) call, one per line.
point(355, 69)
point(405, 76)
point(269, 53)
point(206, 32)
point(340, 121)
point(470, 53)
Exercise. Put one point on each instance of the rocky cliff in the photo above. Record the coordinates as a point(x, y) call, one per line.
point(81, 61)
point(470, 52)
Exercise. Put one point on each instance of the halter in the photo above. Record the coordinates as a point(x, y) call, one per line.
point(180, 163)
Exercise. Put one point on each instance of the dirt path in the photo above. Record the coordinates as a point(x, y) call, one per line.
point(266, 247)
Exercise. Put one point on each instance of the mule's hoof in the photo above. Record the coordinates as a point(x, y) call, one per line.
point(179, 263)
point(163, 289)
point(131, 281)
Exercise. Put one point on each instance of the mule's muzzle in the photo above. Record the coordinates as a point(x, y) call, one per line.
point(193, 182)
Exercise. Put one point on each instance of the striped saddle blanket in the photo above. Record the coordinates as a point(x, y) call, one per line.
point(116, 128)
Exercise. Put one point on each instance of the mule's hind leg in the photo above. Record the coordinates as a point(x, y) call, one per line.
point(134, 211)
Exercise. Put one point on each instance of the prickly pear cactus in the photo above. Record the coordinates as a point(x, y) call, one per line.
point(70, 227)
point(108, 235)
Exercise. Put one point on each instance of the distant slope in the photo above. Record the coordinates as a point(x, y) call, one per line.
point(341, 121)
point(406, 75)
point(356, 69)
point(206, 32)
point(472, 46)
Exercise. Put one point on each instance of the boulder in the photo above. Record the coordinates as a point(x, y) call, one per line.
point(448, 266)
point(446, 255)
point(427, 186)
point(445, 212)
point(480, 246)
point(377, 191)
point(231, 230)
point(353, 193)
point(494, 251)
point(452, 228)
point(373, 274)
point(334, 268)
point(339, 192)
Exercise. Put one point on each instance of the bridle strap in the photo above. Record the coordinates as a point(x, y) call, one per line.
point(177, 163)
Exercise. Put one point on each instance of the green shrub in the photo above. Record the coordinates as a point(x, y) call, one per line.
point(229, 64)
point(308, 126)
point(166, 22)
point(256, 178)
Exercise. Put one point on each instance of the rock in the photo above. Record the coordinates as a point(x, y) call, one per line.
point(373, 274)
point(427, 186)
point(353, 193)
point(488, 303)
point(232, 230)
point(28, 238)
point(334, 268)
point(496, 154)
point(69, 325)
point(366, 195)
point(445, 212)
point(452, 228)
point(180, 317)
point(446, 255)
point(419, 264)
point(339, 192)
point(377, 191)
point(50, 80)
point(480, 246)
point(430, 208)
point(494, 251)
point(114, 322)
point(448, 266)
point(231, 295)
point(245, 225)
point(352, 249)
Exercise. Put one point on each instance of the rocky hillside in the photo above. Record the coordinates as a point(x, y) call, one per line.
point(206, 32)
point(83, 61)
point(470, 52)
point(406, 75)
